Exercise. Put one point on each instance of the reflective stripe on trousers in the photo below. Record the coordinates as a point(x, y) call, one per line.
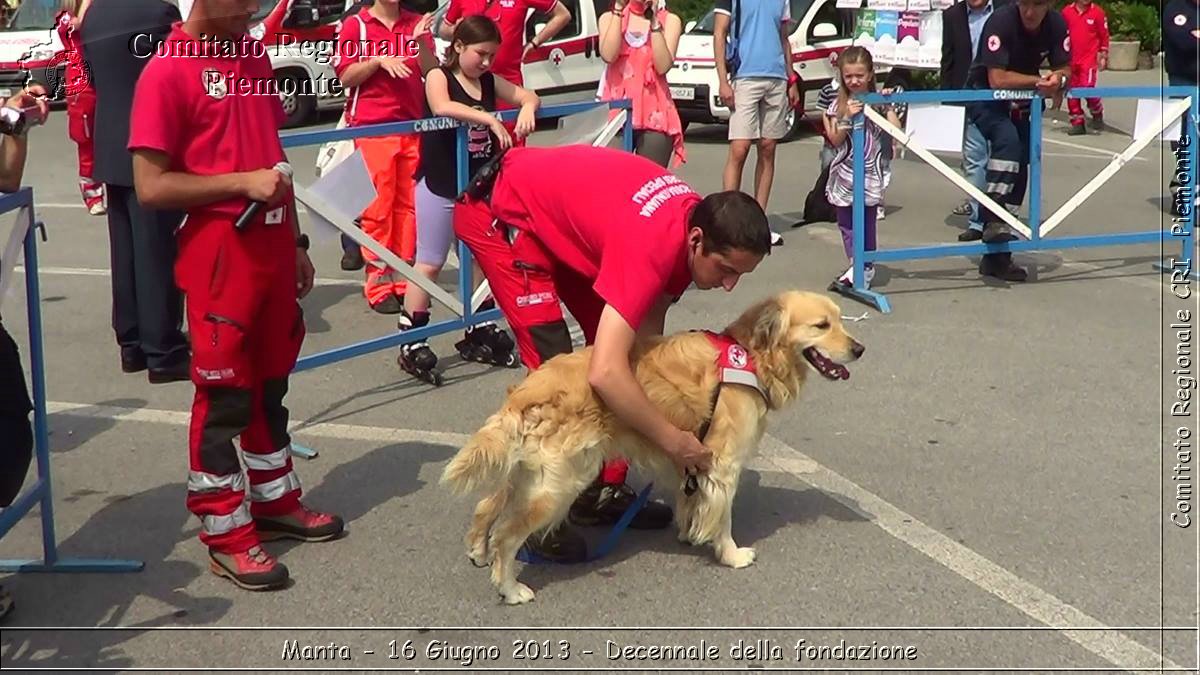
point(272, 490)
point(268, 462)
point(216, 525)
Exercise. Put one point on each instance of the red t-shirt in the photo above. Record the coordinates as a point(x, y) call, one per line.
point(211, 114)
point(1088, 31)
point(510, 16)
point(615, 218)
point(77, 76)
point(382, 98)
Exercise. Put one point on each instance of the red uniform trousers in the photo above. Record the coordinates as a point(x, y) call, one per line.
point(1084, 75)
point(527, 285)
point(246, 328)
point(81, 127)
point(392, 218)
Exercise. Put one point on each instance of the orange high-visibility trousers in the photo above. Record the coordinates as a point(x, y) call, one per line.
point(391, 218)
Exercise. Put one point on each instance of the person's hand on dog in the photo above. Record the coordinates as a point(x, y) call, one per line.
point(689, 454)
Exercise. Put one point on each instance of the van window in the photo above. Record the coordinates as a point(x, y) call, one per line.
point(572, 29)
point(705, 25)
point(34, 15)
point(829, 13)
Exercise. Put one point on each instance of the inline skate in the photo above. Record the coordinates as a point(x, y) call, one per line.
point(488, 343)
point(416, 358)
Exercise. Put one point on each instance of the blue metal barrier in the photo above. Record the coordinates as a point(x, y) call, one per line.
point(40, 493)
point(465, 280)
point(1036, 242)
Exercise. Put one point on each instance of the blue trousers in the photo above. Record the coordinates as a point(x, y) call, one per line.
point(974, 165)
point(1007, 168)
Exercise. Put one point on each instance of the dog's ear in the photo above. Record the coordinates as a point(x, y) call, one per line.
point(769, 326)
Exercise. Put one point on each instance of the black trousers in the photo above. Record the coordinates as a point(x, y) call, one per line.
point(147, 306)
point(16, 431)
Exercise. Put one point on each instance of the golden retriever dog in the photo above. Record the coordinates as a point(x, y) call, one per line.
point(547, 443)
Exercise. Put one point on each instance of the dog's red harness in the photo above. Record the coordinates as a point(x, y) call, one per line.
point(734, 363)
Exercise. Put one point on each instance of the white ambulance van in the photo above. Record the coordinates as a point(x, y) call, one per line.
point(30, 49)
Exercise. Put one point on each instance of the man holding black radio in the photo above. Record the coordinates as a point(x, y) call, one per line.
point(26, 109)
point(205, 138)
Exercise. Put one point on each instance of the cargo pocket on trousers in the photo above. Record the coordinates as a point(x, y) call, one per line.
point(219, 356)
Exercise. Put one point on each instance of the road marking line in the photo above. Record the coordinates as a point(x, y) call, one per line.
point(1107, 643)
point(97, 272)
point(1107, 154)
point(74, 205)
point(829, 236)
point(1111, 645)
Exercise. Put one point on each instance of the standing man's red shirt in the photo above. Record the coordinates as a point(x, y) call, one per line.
point(510, 17)
point(382, 98)
point(1089, 33)
point(211, 115)
point(626, 232)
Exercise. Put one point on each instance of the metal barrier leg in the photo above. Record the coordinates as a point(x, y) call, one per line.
point(859, 290)
point(41, 492)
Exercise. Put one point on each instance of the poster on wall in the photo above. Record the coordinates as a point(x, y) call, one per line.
point(886, 26)
point(919, 5)
point(864, 30)
point(929, 53)
point(908, 40)
point(849, 4)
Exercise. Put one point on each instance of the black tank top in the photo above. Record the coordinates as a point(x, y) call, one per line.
point(439, 151)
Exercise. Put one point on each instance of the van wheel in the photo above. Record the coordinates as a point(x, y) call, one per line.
point(795, 120)
point(683, 126)
point(298, 105)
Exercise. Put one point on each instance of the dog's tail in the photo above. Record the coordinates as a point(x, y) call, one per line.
point(487, 457)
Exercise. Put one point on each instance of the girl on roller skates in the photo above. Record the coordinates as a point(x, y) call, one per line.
point(464, 89)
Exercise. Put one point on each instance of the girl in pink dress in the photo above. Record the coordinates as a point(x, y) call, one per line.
point(638, 39)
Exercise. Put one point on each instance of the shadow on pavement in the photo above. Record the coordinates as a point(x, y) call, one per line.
point(145, 526)
point(759, 511)
point(69, 431)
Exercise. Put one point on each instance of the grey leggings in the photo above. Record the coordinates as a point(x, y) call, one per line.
point(435, 226)
point(653, 145)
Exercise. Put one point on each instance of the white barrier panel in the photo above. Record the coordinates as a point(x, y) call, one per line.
point(950, 174)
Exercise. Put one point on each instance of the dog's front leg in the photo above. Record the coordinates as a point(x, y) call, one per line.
point(728, 552)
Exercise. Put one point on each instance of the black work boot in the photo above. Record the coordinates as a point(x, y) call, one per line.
point(1000, 266)
point(561, 545)
point(605, 504)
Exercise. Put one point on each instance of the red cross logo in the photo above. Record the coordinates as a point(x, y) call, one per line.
point(557, 56)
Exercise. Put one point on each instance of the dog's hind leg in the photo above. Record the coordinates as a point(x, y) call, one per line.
point(523, 515)
point(486, 513)
point(685, 508)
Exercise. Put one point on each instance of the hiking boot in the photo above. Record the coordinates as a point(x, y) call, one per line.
point(1076, 130)
point(560, 545)
point(970, 234)
point(1098, 123)
point(605, 504)
point(303, 524)
point(1001, 267)
point(352, 259)
point(389, 305)
point(253, 569)
point(997, 232)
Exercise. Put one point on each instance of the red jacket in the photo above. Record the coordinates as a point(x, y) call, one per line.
point(1089, 33)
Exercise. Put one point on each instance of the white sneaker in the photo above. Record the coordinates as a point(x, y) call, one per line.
point(776, 238)
point(880, 212)
point(97, 209)
point(847, 277)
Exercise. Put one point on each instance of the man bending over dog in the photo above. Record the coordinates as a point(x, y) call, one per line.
point(617, 239)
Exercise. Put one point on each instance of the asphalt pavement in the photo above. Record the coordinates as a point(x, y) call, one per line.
point(992, 487)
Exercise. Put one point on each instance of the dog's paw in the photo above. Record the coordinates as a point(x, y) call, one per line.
point(479, 557)
point(739, 557)
point(519, 594)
